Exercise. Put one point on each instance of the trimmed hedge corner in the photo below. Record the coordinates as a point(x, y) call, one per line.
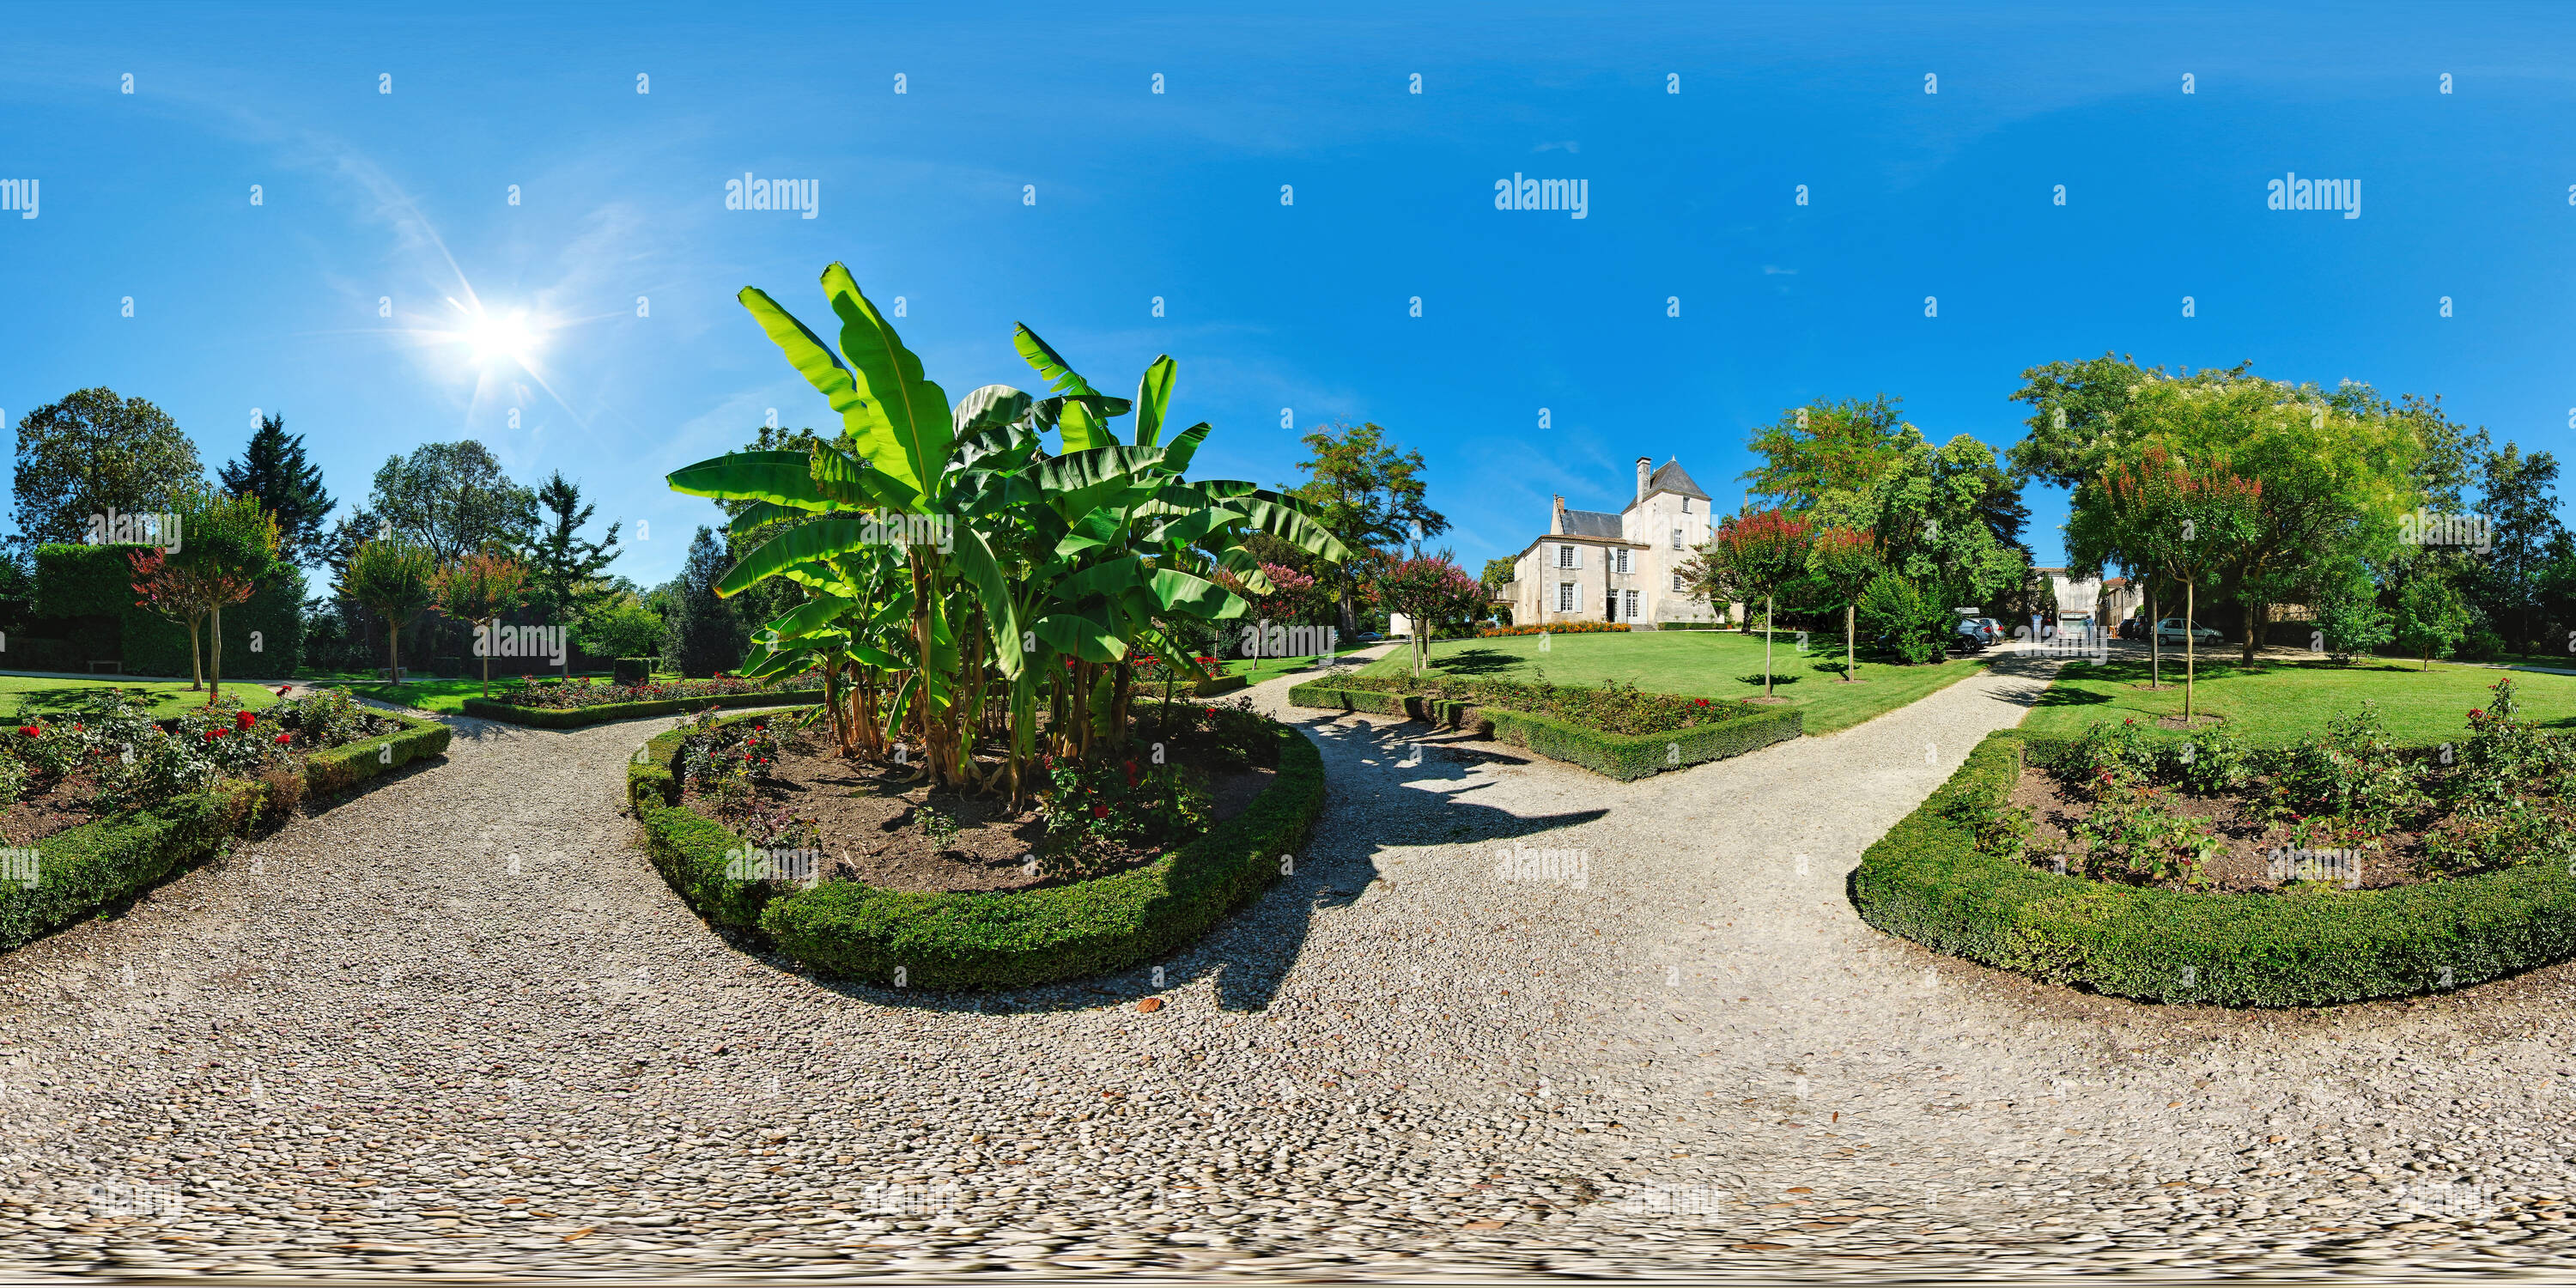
point(577, 717)
point(1621, 756)
point(2309, 945)
point(83, 869)
point(1002, 939)
point(341, 768)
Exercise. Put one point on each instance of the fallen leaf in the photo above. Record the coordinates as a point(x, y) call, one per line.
point(578, 1233)
point(1150, 1005)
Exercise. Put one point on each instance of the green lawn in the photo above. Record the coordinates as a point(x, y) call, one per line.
point(1695, 664)
point(1257, 669)
point(2280, 701)
point(447, 697)
point(27, 695)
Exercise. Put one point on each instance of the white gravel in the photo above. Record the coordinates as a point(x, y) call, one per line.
point(373, 1041)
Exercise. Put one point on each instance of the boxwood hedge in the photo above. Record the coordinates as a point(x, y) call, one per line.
point(1620, 756)
point(83, 869)
point(2305, 945)
point(576, 717)
point(1001, 939)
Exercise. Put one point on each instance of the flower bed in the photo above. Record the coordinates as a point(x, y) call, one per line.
point(2490, 890)
point(1070, 929)
point(571, 704)
point(110, 801)
point(1612, 729)
point(1552, 628)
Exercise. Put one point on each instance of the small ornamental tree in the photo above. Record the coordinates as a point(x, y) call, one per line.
point(173, 591)
point(1757, 554)
point(2431, 617)
point(1431, 590)
point(478, 589)
point(395, 579)
point(233, 544)
point(2181, 522)
point(1843, 562)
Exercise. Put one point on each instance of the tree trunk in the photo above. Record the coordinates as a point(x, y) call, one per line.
point(1766, 644)
point(1851, 662)
point(215, 657)
point(196, 660)
point(2189, 650)
point(2155, 643)
point(2258, 616)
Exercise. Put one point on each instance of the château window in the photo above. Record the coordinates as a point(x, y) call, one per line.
point(1632, 605)
point(1677, 582)
point(1565, 556)
point(1677, 538)
point(1565, 597)
point(1623, 562)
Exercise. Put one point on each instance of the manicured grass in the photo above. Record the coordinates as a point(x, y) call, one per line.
point(1257, 669)
point(446, 697)
point(1696, 664)
point(47, 695)
point(2281, 701)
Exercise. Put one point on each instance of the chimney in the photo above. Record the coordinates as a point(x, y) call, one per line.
point(1556, 521)
point(1645, 470)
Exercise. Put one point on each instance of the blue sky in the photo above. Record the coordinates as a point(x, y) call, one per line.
point(403, 196)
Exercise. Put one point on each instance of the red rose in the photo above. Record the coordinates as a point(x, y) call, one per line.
point(285, 738)
point(1702, 701)
point(210, 734)
point(1100, 811)
point(244, 720)
point(1211, 713)
point(31, 731)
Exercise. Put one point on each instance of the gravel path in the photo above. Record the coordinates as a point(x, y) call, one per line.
point(1506, 1016)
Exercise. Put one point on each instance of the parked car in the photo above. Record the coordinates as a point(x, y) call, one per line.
point(2133, 628)
point(1975, 634)
point(2170, 631)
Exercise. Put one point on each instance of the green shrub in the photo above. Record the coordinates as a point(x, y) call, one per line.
point(577, 717)
point(2308, 944)
point(83, 869)
point(1622, 756)
point(631, 670)
point(1002, 939)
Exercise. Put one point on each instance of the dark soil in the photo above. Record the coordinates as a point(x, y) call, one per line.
point(2389, 860)
point(870, 819)
point(59, 808)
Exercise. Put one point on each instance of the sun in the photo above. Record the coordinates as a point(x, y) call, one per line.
point(502, 339)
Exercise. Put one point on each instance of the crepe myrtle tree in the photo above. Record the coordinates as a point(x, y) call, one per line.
point(479, 588)
point(1432, 590)
point(2182, 522)
point(1755, 554)
point(1842, 563)
point(395, 578)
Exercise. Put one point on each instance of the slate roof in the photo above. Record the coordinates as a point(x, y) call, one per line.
point(1674, 479)
point(1591, 523)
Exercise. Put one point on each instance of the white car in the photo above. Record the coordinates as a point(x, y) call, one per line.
point(2170, 631)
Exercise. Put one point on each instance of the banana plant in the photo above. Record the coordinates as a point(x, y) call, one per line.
point(1052, 570)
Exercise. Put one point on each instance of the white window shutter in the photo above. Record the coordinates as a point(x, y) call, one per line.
point(1578, 593)
point(1578, 561)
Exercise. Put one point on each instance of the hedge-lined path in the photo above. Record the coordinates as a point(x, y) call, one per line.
point(357, 1042)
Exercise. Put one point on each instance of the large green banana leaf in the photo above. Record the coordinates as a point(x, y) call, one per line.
point(909, 413)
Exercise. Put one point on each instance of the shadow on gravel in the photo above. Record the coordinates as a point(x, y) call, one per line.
point(1249, 954)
